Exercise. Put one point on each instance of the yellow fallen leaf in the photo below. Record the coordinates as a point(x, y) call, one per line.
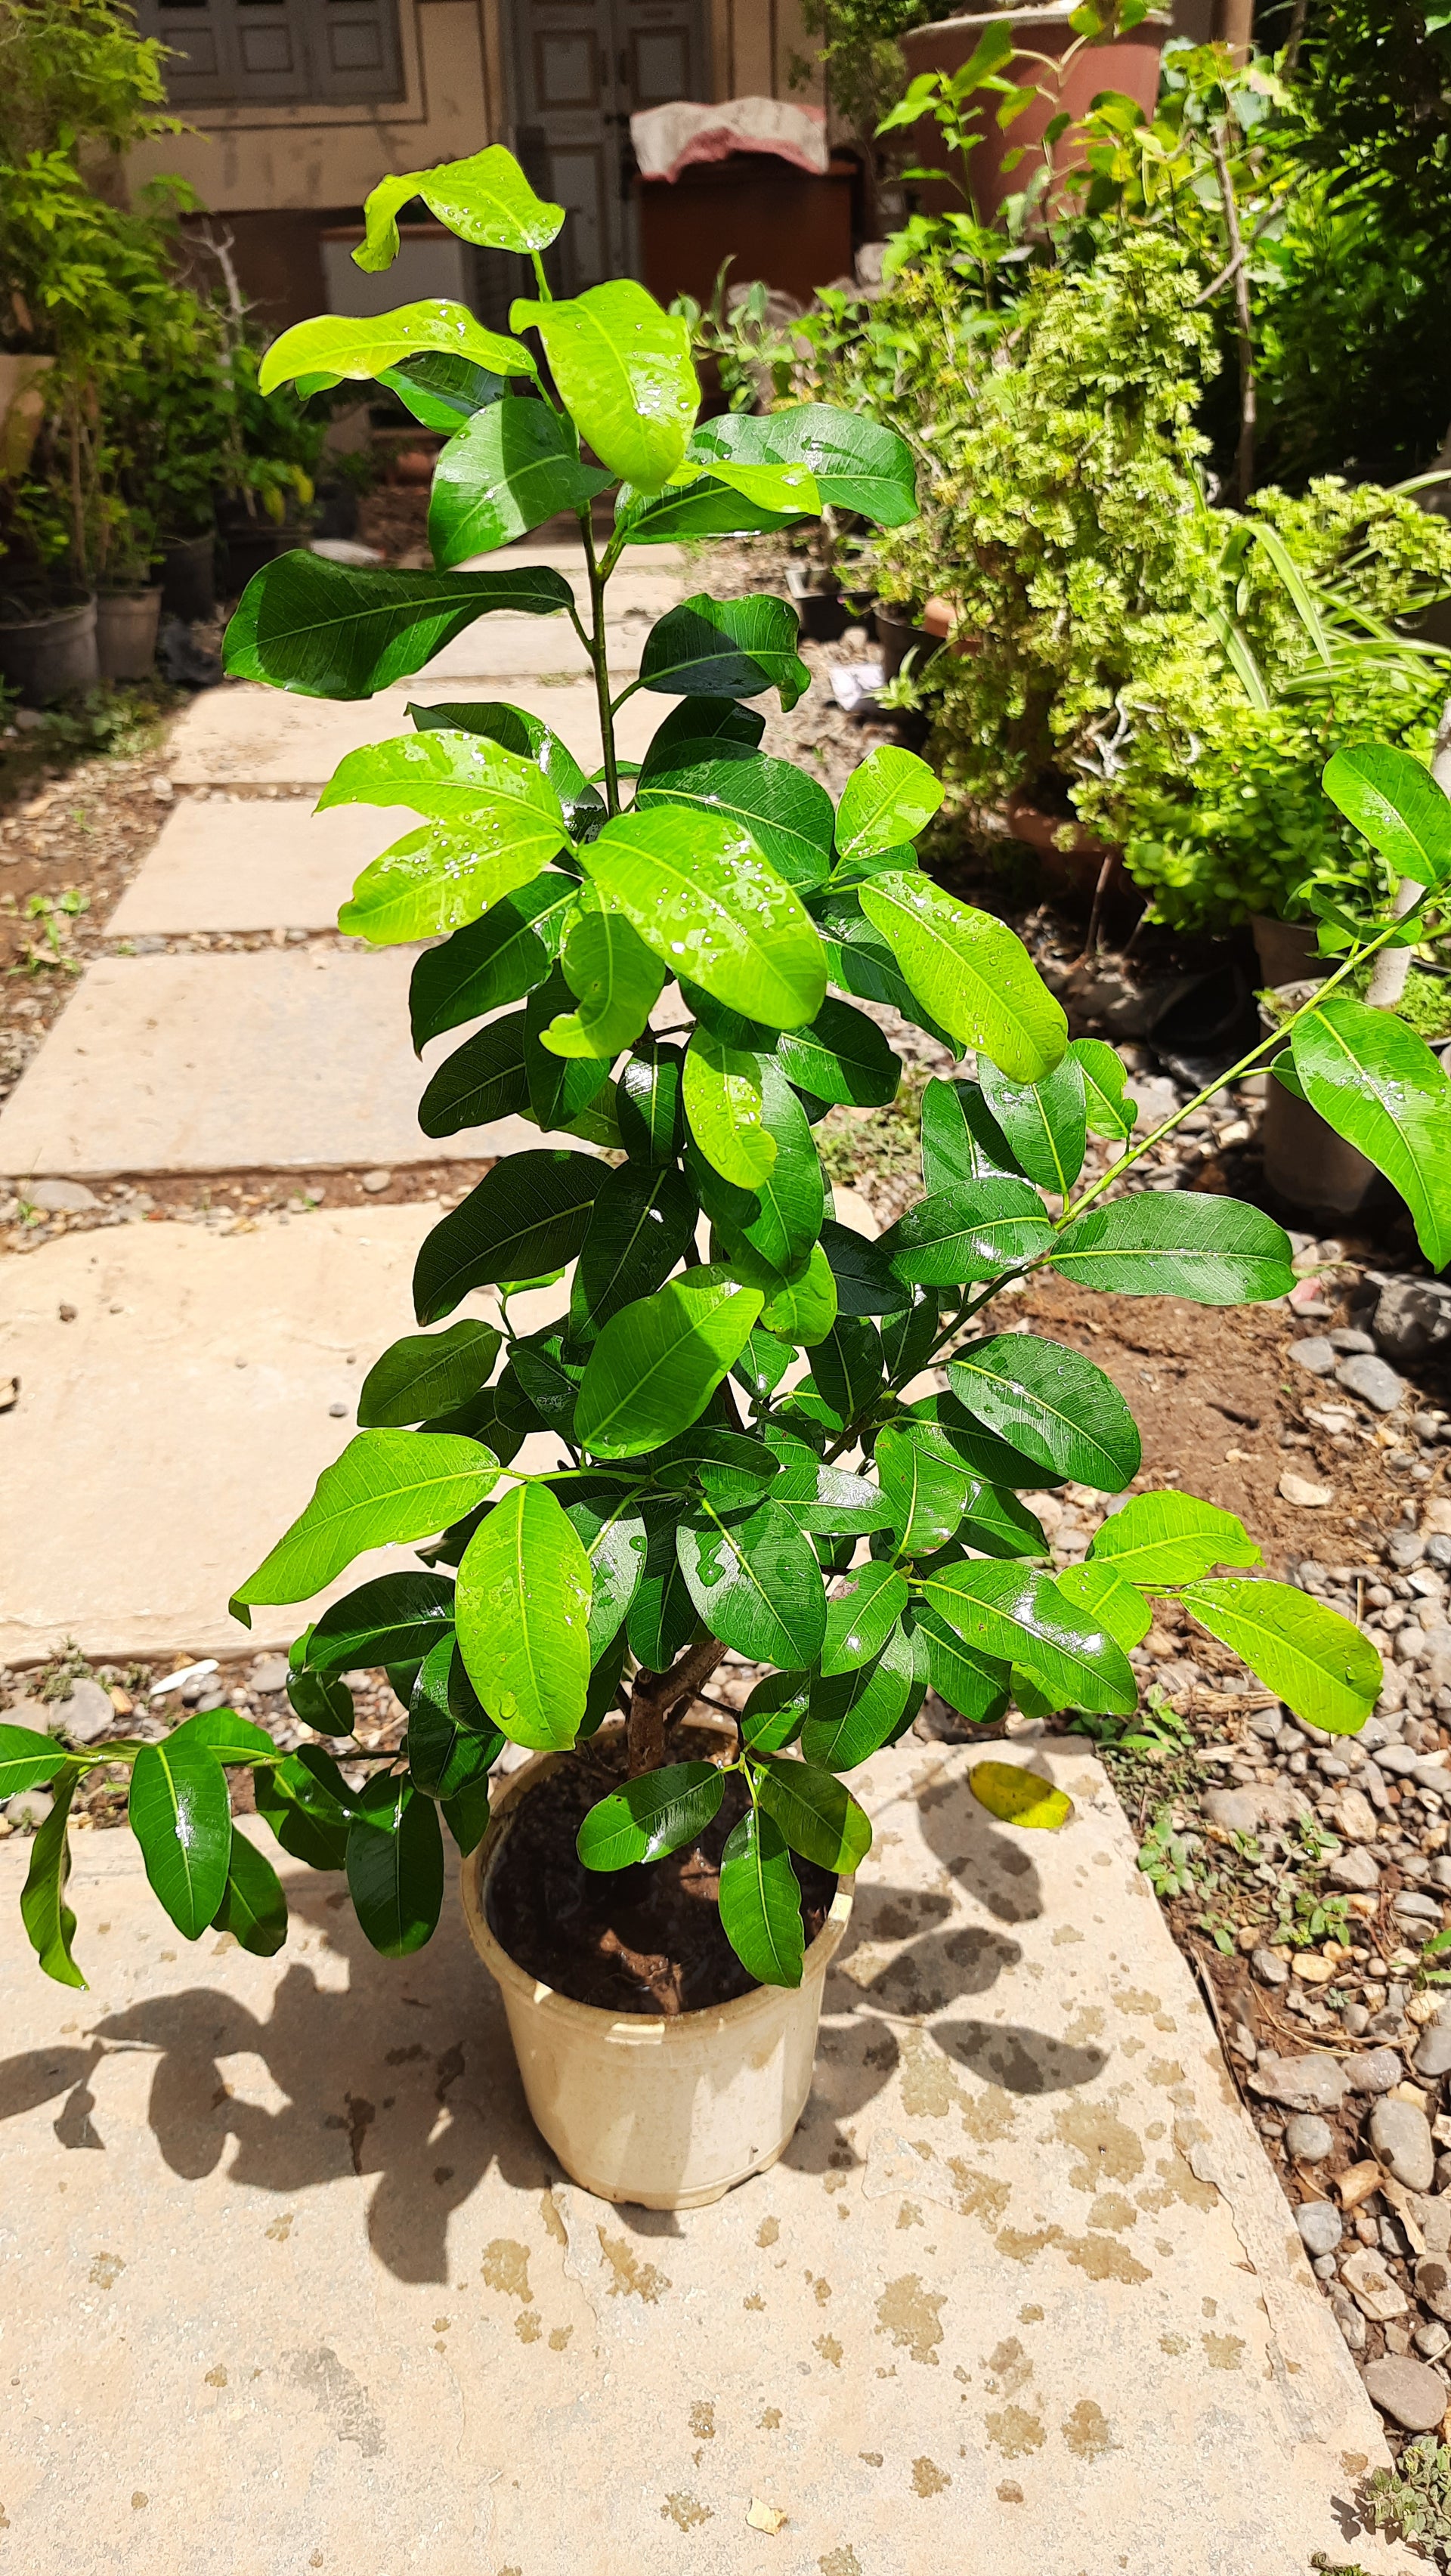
point(764, 2517)
point(1018, 1797)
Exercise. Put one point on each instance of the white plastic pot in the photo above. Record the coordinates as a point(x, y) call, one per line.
point(670, 2112)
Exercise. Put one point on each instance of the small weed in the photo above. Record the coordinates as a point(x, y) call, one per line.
point(51, 948)
point(1306, 1916)
point(64, 1670)
point(1414, 2498)
point(1166, 1859)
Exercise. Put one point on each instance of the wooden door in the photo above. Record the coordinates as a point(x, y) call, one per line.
point(582, 68)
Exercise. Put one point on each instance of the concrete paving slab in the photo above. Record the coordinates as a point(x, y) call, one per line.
point(254, 737)
point(1022, 2292)
point(269, 1060)
point(528, 648)
point(254, 863)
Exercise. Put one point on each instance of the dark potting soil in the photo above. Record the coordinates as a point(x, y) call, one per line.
point(642, 1940)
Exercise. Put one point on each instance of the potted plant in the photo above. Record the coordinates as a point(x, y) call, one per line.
point(854, 1542)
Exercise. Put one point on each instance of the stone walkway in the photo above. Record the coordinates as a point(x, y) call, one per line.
point(292, 2282)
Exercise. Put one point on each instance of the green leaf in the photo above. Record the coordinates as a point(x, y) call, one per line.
point(615, 980)
point(1015, 1614)
point(485, 199)
point(501, 807)
point(467, 1816)
point(802, 1308)
point(962, 1143)
point(790, 1199)
point(1053, 1404)
point(909, 1339)
point(513, 467)
point(1171, 1538)
point(971, 973)
point(562, 1087)
point(888, 799)
point(395, 1619)
point(307, 1822)
point(481, 1081)
point(650, 1816)
point(648, 1101)
point(425, 1373)
point(27, 1760)
point(702, 506)
point(861, 1617)
point(704, 900)
point(865, 1283)
point(927, 1494)
point(843, 1057)
point(940, 1424)
point(1308, 1655)
point(321, 1702)
point(1044, 1122)
point(733, 1468)
point(1178, 1243)
point(531, 738)
point(661, 1616)
point(49, 1922)
point(846, 1366)
point(819, 1818)
point(181, 1815)
point(493, 961)
point(396, 1879)
point(854, 1713)
point(253, 1907)
point(975, 1685)
point(1099, 1588)
point(963, 1234)
point(698, 725)
point(357, 346)
point(643, 1221)
point(387, 1486)
point(452, 1744)
point(442, 391)
point(995, 1523)
point(1108, 1112)
point(726, 648)
point(528, 1215)
point(523, 1619)
point(725, 1105)
point(658, 1362)
point(330, 630)
point(1378, 1085)
point(775, 1711)
point(785, 813)
point(1392, 799)
point(1018, 1796)
point(825, 1502)
point(222, 1732)
point(760, 1901)
point(623, 371)
point(612, 1530)
point(756, 1584)
point(857, 463)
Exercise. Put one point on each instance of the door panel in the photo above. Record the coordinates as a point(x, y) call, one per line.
point(582, 67)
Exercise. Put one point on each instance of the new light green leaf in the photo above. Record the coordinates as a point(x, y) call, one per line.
point(615, 979)
point(1306, 1653)
point(454, 778)
point(658, 1362)
point(512, 467)
point(1378, 1085)
point(343, 345)
point(785, 813)
point(802, 1308)
point(1171, 1538)
point(484, 199)
point(437, 880)
point(760, 1901)
point(1178, 1243)
point(701, 896)
point(1109, 1112)
point(889, 798)
point(970, 972)
point(725, 1104)
point(522, 1607)
point(1044, 1122)
point(1016, 1614)
point(856, 462)
point(1394, 801)
point(623, 371)
point(387, 1487)
point(1099, 1588)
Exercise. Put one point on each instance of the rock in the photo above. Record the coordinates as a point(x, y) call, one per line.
point(1315, 2083)
point(1375, 2070)
point(1397, 1759)
point(1315, 1354)
point(1441, 1872)
point(38, 1714)
point(1376, 2291)
point(1262, 1803)
point(1269, 1970)
point(1355, 1870)
point(1320, 2227)
point(1431, 2340)
point(1401, 2138)
point(1357, 1821)
point(1405, 1550)
point(1350, 2321)
point(29, 1807)
point(59, 1198)
point(1373, 1380)
point(1413, 1907)
point(268, 1674)
point(1349, 1340)
point(1359, 2182)
point(1411, 1317)
point(1433, 2284)
point(1308, 2139)
point(1305, 1496)
point(1436, 1658)
point(1410, 2392)
point(374, 1182)
point(85, 1714)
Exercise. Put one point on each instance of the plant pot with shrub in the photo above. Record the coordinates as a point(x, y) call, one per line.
point(742, 1469)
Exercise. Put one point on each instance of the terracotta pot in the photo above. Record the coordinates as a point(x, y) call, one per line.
point(1129, 64)
point(668, 2112)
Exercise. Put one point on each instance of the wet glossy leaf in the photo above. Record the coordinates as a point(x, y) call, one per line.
point(616, 983)
point(441, 391)
point(1098, 1587)
point(1306, 1653)
point(889, 798)
point(710, 907)
point(531, 738)
point(861, 1616)
point(726, 648)
point(854, 1713)
point(1390, 797)
point(786, 814)
point(612, 1529)
point(803, 1308)
point(760, 1901)
point(528, 1215)
point(426, 1373)
point(1053, 1404)
point(790, 1198)
point(388, 1486)
point(623, 371)
point(648, 1102)
point(818, 1816)
point(1015, 1614)
point(1045, 1122)
point(661, 1617)
point(329, 630)
point(1377, 1083)
point(967, 1233)
point(307, 1822)
point(493, 961)
point(1018, 1796)
point(497, 803)
point(725, 1106)
point(396, 1879)
point(563, 1087)
point(858, 464)
point(650, 1816)
point(825, 1502)
point(939, 1423)
point(971, 973)
point(865, 1281)
point(485, 199)
point(658, 1362)
point(972, 1683)
point(452, 1742)
point(181, 1815)
point(512, 467)
point(756, 1584)
point(927, 1494)
point(1172, 1538)
point(523, 1618)
point(253, 1907)
point(345, 346)
point(1180, 1243)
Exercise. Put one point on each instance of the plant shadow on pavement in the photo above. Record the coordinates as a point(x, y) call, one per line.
point(406, 2077)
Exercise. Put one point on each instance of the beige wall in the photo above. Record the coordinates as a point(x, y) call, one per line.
point(753, 43)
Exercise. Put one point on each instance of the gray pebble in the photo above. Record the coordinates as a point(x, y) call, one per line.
point(1405, 1550)
point(1375, 2071)
point(1412, 1907)
point(1308, 2139)
point(1313, 2083)
point(1319, 2224)
point(1348, 1339)
point(1400, 2136)
point(1433, 2055)
point(37, 1714)
point(268, 1674)
point(1372, 1379)
point(29, 1807)
point(1355, 1869)
point(1432, 2339)
point(85, 1714)
point(1269, 1970)
point(1315, 1354)
point(60, 1198)
point(1410, 2392)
